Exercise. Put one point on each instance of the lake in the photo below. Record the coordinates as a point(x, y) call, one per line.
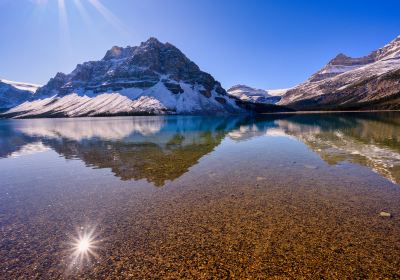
point(201, 197)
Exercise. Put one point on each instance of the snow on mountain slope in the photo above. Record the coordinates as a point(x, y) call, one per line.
point(277, 92)
point(340, 64)
point(14, 93)
point(370, 82)
point(247, 93)
point(22, 86)
point(153, 78)
point(155, 100)
point(254, 95)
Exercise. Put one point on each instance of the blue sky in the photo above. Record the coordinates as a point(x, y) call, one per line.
point(261, 43)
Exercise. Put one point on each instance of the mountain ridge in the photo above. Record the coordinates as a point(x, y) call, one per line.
point(157, 78)
point(369, 82)
point(254, 95)
point(152, 78)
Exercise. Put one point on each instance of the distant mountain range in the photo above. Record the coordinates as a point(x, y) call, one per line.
point(371, 82)
point(157, 78)
point(14, 93)
point(253, 95)
point(345, 83)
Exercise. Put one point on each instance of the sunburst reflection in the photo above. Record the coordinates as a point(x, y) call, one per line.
point(84, 247)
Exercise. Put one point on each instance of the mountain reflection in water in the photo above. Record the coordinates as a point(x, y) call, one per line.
point(163, 148)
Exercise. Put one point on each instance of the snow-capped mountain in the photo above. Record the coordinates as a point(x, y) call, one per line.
point(369, 82)
point(277, 92)
point(15, 93)
point(253, 95)
point(157, 78)
point(153, 78)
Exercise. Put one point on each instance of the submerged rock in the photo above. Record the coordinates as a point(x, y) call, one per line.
point(385, 214)
point(310, 166)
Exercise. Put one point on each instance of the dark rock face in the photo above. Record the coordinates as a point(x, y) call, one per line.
point(260, 108)
point(221, 100)
point(118, 52)
point(174, 88)
point(56, 85)
point(206, 93)
point(139, 67)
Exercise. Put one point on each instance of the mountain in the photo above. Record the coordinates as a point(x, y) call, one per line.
point(15, 93)
point(153, 78)
point(253, 95)
point(157, 78)
point(369, 82)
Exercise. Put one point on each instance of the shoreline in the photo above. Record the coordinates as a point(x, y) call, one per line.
point(145, 115)
point(329, 112)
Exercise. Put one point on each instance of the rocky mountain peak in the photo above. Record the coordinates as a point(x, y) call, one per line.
point(153, 77)
point(340, 59)
point(165, 59)
point(343, 63)
point(117, 52)
point(370, 81)
point(390, 51)
point(344, 60)
point(151, 42)
point(242, 87)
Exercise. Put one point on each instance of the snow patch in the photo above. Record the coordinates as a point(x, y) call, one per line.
point(22, 86)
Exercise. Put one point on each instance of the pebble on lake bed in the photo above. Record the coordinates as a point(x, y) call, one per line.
point(385, 214)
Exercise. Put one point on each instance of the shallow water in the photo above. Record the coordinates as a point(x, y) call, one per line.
point(285, 196)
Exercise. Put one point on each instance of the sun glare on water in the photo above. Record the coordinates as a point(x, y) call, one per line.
point(84, 247)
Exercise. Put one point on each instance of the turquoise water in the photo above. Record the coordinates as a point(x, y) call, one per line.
point(176, 196)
